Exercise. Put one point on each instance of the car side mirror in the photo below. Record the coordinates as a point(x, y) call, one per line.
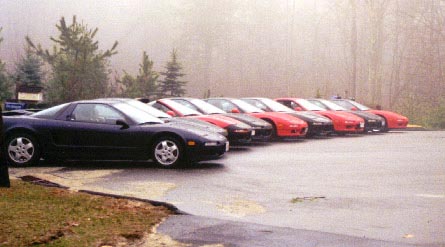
point(171, 113)
point(122, 123)
point(234, 110)
point(298, 108)
point(354, 108)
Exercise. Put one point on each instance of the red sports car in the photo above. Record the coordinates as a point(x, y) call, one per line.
point(283, 125)
point(343, 122)
point(393, 120)
point(237, 131)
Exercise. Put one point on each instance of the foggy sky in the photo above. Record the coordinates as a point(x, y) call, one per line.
point(236, 48)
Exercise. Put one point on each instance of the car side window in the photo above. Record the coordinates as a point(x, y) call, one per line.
point(287, 103)
point(227, 106)
point(216, 103)
point(258, 104)
point(160, 107)
point(187, 104)
point(96, 113)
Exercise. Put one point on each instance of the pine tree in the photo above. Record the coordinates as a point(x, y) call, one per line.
point(147, 77)
point(144, 84)
point(79, 68)
point(171, 85)
point(29, 69)
point(5, 85)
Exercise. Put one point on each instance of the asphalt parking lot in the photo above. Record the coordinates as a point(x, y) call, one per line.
point(388, 187)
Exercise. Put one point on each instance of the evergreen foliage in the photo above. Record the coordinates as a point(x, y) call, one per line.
point(171, 85)
point(5, 85)
point(79, 68)
point(29, 69)
point(144, 84)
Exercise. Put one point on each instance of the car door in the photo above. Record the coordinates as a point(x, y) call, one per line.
point(91, 132)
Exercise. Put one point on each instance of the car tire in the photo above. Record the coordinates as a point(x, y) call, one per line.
point(22, 150)
point(167, 152)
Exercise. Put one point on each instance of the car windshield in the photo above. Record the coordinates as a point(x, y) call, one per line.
point(50, 112)
point(349, 104)
point(332, 106)
point(275, 106)
point(319, 104)
point(309, 106)
point(184, 110)
point(246, 107)
point(360, 106)
point(206, 107)
point(136, 114)
point(148, 109)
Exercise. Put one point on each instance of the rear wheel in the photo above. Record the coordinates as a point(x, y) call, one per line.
point(22, 150)
point(167, 152)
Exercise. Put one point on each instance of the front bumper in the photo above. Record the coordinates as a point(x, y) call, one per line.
point(235, 136)
point(261, 133)
point(292, 131)
point(319, 129)
point(207, 152)
point(373, 125)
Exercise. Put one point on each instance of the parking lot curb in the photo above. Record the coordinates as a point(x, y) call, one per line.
point(46, 183)
point(167, 205)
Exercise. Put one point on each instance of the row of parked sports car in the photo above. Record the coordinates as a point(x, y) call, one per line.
point(174, 131)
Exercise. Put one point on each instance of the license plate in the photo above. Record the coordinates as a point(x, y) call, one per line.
point(253, 132)
point(227, 146)
point(362, 125)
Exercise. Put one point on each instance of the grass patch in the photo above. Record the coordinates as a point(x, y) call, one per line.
point(36, 215)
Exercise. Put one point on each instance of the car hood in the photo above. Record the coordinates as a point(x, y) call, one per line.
point(281, 116)
point(310, 117)
point(252, 121)
point(366, 115)
point(190, 131)
point(339, 115)
point(388, 114)
point(196, 123)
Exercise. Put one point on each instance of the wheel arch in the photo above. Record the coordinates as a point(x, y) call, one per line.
point(16, 130)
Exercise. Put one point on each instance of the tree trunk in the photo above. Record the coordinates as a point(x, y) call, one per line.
point(4, 173)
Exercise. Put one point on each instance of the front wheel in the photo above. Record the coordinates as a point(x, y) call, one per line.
point(22, 150)
point(167, 152)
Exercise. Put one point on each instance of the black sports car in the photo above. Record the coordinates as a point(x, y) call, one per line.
point(105, 130)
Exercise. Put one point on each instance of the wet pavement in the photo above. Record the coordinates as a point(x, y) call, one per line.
point(388, 188)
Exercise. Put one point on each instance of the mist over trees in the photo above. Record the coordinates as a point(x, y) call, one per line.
point(5, 85)
point(381, 52)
